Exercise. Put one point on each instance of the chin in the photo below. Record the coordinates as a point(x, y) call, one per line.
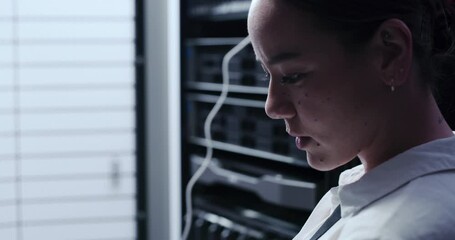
point(321, 166)
point(322, 163)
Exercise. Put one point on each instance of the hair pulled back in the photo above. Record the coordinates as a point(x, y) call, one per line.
point(432, 24)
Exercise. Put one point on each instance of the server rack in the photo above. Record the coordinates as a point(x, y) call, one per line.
point(258, 185)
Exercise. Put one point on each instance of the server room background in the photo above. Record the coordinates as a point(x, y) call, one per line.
point(102, 111)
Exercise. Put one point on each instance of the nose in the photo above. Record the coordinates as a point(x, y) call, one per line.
point(279, 104)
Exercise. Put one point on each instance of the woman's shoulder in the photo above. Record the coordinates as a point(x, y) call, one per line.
point(422, 209)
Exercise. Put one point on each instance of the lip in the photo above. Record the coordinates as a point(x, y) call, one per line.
point(302, 142)
point(294, 134)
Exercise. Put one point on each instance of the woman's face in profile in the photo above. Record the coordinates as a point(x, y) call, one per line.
point(327, 97)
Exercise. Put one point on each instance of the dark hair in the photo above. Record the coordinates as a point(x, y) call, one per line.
point(432, 23)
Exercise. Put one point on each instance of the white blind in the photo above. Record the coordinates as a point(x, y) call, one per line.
point(67, 125)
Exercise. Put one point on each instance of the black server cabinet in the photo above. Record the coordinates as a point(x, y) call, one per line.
point(258, 186)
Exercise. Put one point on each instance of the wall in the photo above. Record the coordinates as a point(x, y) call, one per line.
point(67, 121)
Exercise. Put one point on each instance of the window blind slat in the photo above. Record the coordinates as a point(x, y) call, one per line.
point(7, 232)
point(70, 76)
point(78, 188)
point(8, 216)
point(68, 98)
point(6, 11)
point(7, 123)
point(7, 99)
point(6, 53)
point(78, 210)
point(82, 231)
point(76, 8)
point(85, 121)
point(8, 191)
point(7, 149)
point(7, 170)
point(79, 30)
point(120, 142)
point(7, 79)
point(75, 53)
point(6, 33)
point(102, 165)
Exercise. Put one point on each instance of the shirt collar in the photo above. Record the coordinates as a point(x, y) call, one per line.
point(431, 157)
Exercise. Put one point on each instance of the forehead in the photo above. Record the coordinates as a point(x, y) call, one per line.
point(276, 27)
point(267, 13)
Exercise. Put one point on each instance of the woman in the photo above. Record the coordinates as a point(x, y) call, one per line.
point(356, 78)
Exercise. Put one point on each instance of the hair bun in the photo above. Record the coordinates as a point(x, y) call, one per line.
point(443, 31)
point(443, 57)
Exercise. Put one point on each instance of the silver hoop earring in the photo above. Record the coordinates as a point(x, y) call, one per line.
point(392, 87)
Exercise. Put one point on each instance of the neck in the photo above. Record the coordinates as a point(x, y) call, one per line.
point(412, 123)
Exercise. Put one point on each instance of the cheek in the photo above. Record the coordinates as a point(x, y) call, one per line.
point(344, 125)
point(314, 106)
point(331, 103)
point(328, 114)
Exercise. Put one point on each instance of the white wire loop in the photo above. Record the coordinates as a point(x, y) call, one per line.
point(208, 137)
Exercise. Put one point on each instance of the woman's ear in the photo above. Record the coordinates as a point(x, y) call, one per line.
point(392, 44)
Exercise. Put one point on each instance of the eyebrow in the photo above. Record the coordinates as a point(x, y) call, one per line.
point(284, 56)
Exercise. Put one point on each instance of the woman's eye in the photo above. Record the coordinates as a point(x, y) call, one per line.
point(293, 78)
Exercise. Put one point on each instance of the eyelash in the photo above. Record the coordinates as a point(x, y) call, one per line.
point(290, 79)
point(293, 78)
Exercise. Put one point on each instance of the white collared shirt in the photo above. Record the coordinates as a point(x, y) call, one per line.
point(411, 196)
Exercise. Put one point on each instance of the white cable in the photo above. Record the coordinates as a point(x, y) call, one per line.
point(208, 137)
